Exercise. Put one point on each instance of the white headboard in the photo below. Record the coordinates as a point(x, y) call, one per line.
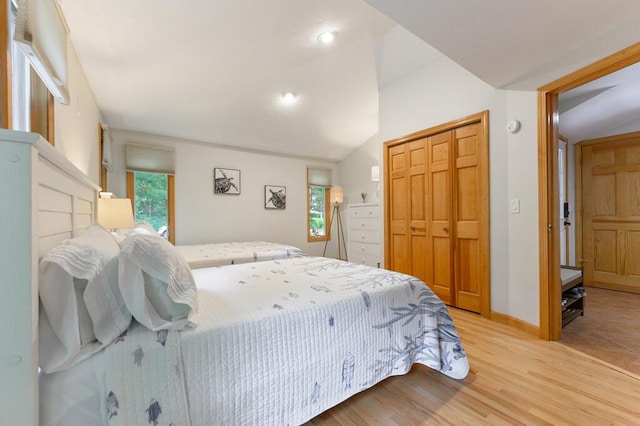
point(45, 199)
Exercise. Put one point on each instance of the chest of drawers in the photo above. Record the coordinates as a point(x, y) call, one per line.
point(364, 234)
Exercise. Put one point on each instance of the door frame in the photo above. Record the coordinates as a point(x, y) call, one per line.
point(548, 225)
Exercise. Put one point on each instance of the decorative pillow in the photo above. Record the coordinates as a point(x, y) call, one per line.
point(156, 283)
point(65, 325)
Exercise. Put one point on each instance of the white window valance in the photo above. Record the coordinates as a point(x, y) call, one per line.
point(42, 34)
point(318, 177)
point(152, 159)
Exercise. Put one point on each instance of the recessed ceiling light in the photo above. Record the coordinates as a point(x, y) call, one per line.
point(327, 37)
point(288, 98)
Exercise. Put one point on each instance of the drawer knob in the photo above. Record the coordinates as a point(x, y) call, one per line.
point(362, 237)
point(362, 225)
point(362, 249)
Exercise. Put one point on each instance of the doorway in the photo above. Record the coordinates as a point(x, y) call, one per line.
point(548, 183)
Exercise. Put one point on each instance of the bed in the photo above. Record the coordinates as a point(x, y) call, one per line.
point(285, 340)
point(276, 342)
point(229, 253)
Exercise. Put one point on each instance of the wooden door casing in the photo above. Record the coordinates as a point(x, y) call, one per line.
point(611, 212)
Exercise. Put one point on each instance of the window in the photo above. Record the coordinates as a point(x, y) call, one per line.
point(152, 198)
point(151, 186)
point(318, 204)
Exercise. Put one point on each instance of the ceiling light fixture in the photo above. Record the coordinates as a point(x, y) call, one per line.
point(327, 37)
point(288, 98)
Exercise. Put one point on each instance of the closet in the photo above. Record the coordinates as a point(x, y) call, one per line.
point(437, 210)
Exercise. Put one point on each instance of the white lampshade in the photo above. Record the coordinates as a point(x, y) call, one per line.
point(115, 213)
point(337, 195)
point(375, 173)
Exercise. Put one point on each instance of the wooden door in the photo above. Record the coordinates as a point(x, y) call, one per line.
point(417, 159)
point(439, 200)
point(611, 213)
point(398, 216)
point(469, 215)
point(407, 216)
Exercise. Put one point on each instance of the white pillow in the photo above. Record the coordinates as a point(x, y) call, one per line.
point(141, 227)
point(145, 226)
point(65, 324)
point(156, 283)
point(109, 313)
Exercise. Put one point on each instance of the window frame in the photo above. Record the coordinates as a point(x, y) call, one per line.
point(327, 215)
point(103, 175)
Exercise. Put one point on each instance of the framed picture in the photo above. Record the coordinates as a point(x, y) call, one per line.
point(275, 197)
point(226, 181)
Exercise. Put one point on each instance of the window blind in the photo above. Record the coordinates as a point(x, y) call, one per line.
point(152, 159)
point(42, 34)
point(318, 177)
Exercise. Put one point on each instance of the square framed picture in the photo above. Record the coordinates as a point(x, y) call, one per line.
point(226, 181)
point(275, 197)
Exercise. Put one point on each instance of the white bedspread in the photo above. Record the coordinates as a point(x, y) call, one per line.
point(220, 254)
point(279, 342)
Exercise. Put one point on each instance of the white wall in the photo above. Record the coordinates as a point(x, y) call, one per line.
point(76, 124)
point(354, 172)
point(204, 217)
point(443, 91)
point(522, 184)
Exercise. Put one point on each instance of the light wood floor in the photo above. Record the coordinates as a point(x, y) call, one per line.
point(515, 379)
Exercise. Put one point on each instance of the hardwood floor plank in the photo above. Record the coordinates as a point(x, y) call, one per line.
point(514, 379)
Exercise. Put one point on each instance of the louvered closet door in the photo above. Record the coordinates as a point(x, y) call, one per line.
point(440, 243)
point(469, 168)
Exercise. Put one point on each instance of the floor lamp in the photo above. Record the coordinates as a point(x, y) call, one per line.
point(337, 197)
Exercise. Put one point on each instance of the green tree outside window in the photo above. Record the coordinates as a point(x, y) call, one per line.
point(151, 199)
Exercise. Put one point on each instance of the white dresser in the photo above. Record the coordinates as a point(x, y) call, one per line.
point(364, 234)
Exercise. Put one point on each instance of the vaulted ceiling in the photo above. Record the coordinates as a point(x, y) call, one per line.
point(213, 70)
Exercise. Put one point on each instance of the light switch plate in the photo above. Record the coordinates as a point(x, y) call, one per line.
point(515, 205)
